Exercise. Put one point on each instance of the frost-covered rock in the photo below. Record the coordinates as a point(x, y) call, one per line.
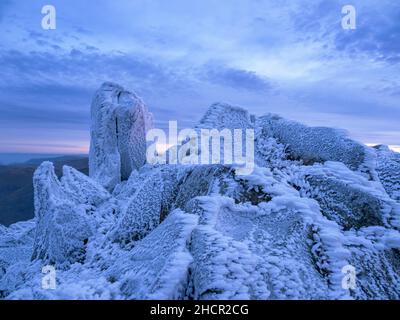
point(83, 189)
point(264, 252)
point(120, 121)
point(375, 257)
point(158, 266)
point(388, 168)
point(16, 244)
point(221, 115)
point(127, 189)
point(348, 198)
point(315, 205)
point(199, 181)
point(63, 229)
point(142, 211)
point(268, 152)
point(316, 144)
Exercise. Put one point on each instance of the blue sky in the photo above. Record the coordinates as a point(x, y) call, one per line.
point(287, 57)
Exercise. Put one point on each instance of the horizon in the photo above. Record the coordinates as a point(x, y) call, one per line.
point(7, 159)
point(394, 148)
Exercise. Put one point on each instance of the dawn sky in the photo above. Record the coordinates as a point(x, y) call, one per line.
point(287, 57)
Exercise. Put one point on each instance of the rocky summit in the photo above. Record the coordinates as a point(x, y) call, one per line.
point(318, 218)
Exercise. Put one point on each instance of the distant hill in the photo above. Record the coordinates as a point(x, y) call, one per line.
point(14, 158)
point(16, 188)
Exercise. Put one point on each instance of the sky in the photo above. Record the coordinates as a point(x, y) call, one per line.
point(287, 57)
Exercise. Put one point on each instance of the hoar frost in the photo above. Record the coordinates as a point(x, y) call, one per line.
point(315, 203)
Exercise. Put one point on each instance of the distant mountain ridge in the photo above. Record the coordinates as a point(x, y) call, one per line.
point(16, 187)
point(17, 158)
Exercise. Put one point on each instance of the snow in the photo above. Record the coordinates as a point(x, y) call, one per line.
point(233, 128)
point(157, 267)
point(63, 226)
point(347, 197)
point(388, 168)
point(16, 244)
point(83, 189)
point(142, 212)
point(222, 115)
point(315, 144)
point(315, 203)
point(120, 121)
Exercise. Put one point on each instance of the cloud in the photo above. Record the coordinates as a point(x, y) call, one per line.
point(4, 6)
point(77, 66)
point(377, 33)
point(284, 56)
point(236, 78)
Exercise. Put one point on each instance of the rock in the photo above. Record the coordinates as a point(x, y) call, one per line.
point(222, 115)
point(142, 211)
point(348, 198)
point(388, 168)
point(158, 266)
point(315, 144)
point(83, 189)
point(315, 204)
point(120, 121)
point(63, 229)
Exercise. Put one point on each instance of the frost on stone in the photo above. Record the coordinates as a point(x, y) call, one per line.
point(83, 189)
point(315, 144)
point(268, 152)
point(375, 256)
point(172, 176)
point(16, 244)
point(220, 124)
point(348, 198)
point(199, 181)
point(222, 268)
point(120, 121)
point(388, 168)
point(263, 252)
point(133, 122)
point(157, 267)
point(127, 189)
point(221, 115)
point(63, 228)
point(142, 211)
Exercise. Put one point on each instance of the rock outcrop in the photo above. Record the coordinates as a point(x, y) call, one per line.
point(315, 144)
point(316, 205)
point(63, 226)
point(120, 121)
